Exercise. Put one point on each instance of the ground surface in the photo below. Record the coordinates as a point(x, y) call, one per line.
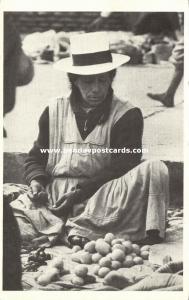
point(163, 130)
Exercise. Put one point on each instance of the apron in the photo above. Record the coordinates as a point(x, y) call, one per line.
point(127, 206)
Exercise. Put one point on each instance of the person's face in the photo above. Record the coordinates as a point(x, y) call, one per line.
point(94, 88)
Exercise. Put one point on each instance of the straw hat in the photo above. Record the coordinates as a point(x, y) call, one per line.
point(90, 54)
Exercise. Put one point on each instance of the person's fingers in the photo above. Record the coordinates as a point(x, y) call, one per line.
point(30, 194)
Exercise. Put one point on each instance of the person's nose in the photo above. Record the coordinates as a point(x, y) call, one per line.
point(95, 87)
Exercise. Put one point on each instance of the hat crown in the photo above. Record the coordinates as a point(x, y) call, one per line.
point(89, 43)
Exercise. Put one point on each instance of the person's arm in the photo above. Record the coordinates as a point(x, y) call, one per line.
point(36, 161)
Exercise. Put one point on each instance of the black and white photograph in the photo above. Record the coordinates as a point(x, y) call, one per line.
point(93, 150)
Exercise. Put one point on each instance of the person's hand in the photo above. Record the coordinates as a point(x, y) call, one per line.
point(64, 205)
point(37, 192)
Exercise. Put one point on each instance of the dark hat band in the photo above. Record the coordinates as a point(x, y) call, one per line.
point(95, 58)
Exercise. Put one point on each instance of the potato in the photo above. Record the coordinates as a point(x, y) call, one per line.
point(76, 257)
point(138, 260)
point(76, 249)
point(77, 280)
point(115, 265)
point(109, 237)
point(115, 279)
point(96, 257)
point(144, 254)
point(102, 247)
point(57, 262)
point(85, 258)
point(145, 248)
point(117, 241)
point(128, 262)
point(109, 255)
point(81, 271)
point(133, 254)
point(128, 246)
point(103, 272)
point(105, 262)
point(119, 246)
point(48, 276)
point(96, 269)
point(136, 249)
point(90, 247)
point(118, 254)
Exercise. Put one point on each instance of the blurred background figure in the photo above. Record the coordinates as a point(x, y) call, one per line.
point(18, 70)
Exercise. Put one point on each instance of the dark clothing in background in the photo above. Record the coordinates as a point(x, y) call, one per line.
point(157, 23)
point(127, 132)
point(18, 67)
point(12, 46)
point(11, 250)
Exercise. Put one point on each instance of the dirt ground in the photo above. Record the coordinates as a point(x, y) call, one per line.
point(163, 130)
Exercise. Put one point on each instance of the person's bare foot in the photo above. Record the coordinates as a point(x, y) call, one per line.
point(166, 100)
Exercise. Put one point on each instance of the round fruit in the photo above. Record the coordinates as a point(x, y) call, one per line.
point(128, 262)
point(85, 258)
point(116, 241)
point(133, 254)
point(109, 255)
point(109, 237)
point(90, 247)
point(118, 246)
point(136, 249)
point(116, 264)
point(138, 260)
point(81, 271)
point(128, 246)
point(48, 276)
point(96, 257)
point(96, 269)
point(145, 248)
point(105, 262)
point(118, 254)
point(76, 249)
point(103, 272)
point(102, 247)
point(144, 254)
point(114, 278)
point(77, 280)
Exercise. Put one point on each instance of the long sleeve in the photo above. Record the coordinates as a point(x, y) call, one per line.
point(127, 133)
point(36, 161)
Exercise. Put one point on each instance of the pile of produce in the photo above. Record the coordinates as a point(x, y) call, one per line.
point(109, 254)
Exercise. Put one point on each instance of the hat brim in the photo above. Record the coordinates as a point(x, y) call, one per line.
point(66, 65)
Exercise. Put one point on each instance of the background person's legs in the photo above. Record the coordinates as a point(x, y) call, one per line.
point(167, 98)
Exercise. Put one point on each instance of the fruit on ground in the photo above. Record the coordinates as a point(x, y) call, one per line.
point(109, 237)
point(128, 262)
point(103, 272)
point(90, 247)
point(144, 254)
point(96, 257)
point(118, 254)
point(105, 262)
point(102, 247)
point(138, 260)
point(77, 280)
point(49, 275)
point(115, 265)
point(81, 271)
point(115, 279)
point(136, 249)
point(76, 249)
